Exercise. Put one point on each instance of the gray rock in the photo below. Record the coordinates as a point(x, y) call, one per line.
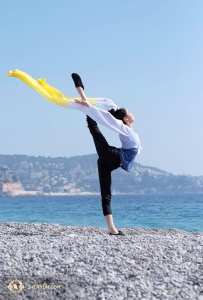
point(145, 264)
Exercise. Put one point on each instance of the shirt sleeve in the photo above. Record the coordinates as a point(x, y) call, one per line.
point(107, 103)
point(101, 116)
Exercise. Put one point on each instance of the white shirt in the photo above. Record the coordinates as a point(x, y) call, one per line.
point(128, 137)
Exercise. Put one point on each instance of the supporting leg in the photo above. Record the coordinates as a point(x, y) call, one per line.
point(111, 226)
point(105, 187)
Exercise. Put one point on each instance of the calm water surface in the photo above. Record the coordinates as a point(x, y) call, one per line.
point(132, 211)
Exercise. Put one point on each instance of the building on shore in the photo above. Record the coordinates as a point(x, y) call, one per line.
point(10, 187)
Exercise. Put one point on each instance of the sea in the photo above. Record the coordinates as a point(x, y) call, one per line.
point(129, 211)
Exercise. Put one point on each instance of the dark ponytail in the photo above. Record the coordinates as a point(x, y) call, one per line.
point(118, 114)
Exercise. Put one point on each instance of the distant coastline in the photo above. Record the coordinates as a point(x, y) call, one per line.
point(22, 175)
point(37, 194)
point(41, 194)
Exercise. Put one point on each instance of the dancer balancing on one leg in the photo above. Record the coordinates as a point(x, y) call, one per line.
point(110, 158)
point(118, 120)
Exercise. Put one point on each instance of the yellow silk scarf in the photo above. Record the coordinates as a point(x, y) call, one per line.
point(46, 90)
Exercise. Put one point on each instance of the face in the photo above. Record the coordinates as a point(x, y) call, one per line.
point(129, 116)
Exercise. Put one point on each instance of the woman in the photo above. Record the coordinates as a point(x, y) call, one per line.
point(118, 120)
point(110, 158)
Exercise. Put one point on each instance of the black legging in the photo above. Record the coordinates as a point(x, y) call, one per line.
point(109, 160)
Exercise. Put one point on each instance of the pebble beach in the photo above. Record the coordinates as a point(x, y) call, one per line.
point(44, 261)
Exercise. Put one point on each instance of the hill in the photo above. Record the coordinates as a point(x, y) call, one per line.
point(79, 174)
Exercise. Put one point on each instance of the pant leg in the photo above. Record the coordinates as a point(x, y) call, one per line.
point(109, 160)
point(105, 187)
point(108, 154)
point(100, 142)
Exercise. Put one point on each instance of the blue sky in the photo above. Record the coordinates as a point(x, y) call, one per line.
point(146, 56)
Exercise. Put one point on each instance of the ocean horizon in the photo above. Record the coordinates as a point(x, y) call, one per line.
point(129, 211)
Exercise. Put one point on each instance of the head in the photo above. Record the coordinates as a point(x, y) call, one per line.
point(124, 115)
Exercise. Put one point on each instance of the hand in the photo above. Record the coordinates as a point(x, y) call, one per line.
point(81, 102)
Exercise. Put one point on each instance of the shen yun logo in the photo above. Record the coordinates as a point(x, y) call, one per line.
point(16, 286)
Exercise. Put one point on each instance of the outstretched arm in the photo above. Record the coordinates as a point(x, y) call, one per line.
point(107, 103)
point(101, 116)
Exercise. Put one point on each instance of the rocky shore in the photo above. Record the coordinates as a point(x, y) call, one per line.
point(43, 261)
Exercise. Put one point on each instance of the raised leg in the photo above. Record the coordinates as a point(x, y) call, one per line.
point(100, 142)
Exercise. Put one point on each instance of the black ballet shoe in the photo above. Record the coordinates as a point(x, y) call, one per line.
point(119, 233)
point(77, 80)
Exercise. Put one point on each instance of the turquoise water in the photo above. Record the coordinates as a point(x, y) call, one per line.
point(129, 211)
